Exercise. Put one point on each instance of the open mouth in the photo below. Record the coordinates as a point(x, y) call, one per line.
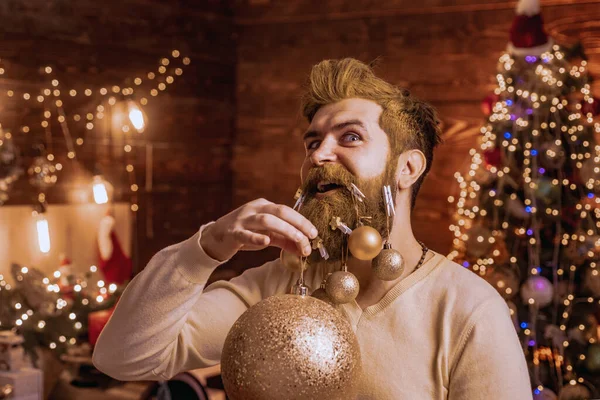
point(324, 186)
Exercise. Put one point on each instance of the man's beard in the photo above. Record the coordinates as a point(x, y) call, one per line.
point(341, 203)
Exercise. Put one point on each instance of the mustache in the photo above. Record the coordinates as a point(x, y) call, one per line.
point(334, 173)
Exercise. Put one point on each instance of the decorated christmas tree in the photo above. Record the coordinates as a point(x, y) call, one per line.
point(67, 310)
point(54, 311)
point(528, 213)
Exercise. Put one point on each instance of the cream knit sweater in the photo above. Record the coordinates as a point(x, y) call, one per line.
point(441, 333)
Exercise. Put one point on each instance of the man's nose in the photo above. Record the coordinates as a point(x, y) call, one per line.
point(326, 152)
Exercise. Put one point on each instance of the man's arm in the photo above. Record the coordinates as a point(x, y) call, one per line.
point(164, 324)
point(489, 362)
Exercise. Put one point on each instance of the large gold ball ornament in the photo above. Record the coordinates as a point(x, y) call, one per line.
point(291, 347)
point(291, 261)
point(342, 287)
point(365, 243)
point(388, 265)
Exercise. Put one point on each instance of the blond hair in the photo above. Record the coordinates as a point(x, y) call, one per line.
point(408, 122)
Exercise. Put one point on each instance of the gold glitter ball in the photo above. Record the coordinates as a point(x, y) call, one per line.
point(291, 347)
point(342, 287)
point(388, 265)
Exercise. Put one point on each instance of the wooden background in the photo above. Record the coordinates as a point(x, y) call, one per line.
point(229, 130)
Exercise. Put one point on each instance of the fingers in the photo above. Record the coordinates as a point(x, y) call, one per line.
point(254, 240)
point(292, 217)
point(287, 245)
point(249, 238)
point(262, 223)
point(278, 226)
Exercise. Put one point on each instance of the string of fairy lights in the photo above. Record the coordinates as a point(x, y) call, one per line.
point(99, 294)
point(125, 106)
point(535, 108)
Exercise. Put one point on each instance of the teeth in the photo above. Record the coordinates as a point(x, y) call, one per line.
point(322, 185)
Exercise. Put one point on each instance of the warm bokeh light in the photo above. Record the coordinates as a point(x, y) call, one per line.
point(43, 233)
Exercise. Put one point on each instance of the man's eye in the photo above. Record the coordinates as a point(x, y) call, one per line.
point(312, 145)
point(350, 137)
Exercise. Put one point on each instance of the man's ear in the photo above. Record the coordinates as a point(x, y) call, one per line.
point(411, 165)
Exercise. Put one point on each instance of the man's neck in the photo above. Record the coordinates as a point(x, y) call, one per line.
point(372, 290)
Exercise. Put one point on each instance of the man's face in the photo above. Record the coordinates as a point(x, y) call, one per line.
point(345, 144)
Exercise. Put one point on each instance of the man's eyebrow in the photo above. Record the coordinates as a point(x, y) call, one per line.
point(336, 127)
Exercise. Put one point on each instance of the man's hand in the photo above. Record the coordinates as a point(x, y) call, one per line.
point(256, 225)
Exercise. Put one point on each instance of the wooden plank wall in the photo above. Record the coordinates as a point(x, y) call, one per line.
point(228, 131)
point(94, 44)
point(443, 51)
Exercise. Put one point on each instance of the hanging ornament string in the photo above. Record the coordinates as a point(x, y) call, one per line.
point(342, 286)
point(387, 228)
point(389, 208)
point(389, 264)
point(344, 254)
point(301, 279)
point(357, 196)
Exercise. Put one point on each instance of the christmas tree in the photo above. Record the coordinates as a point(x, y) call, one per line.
point(53, 311)
point(67, 310)
point(528, 213)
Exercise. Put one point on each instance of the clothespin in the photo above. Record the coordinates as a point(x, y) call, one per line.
point(336, 223)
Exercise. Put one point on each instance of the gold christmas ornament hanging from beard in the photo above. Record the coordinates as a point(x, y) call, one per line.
point(328, 196)
point(365, 243)
point(342, 287)
point(291, 347)
point(388, 265)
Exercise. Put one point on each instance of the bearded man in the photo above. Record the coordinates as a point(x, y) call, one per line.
point(437, 331)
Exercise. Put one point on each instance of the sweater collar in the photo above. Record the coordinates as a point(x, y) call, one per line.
point(403, 285)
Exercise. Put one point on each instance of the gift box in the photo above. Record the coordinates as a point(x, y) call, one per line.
point(96, 322)
point(27, 383)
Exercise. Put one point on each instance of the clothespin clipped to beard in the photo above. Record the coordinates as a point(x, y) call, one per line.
point(317, 244)
point(358, 195)
point(336, 223)
point(389, 201)
point(299, 197)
